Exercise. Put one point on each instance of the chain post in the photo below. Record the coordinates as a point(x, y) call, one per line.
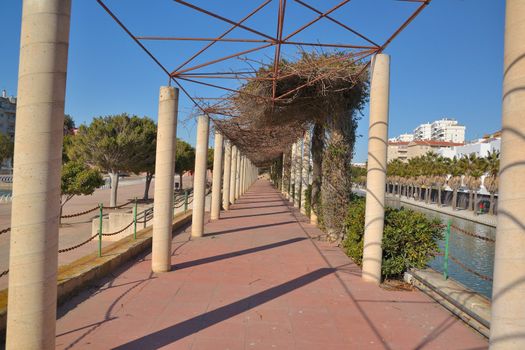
point(445, 257)
point(100, 206)
point(185, 200)
point(135, 219)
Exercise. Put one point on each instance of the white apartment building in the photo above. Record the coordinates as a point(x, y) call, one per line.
point(448, 130)
point(402, 138)
point(480, 148)
point(423, 132)
point(445, 130)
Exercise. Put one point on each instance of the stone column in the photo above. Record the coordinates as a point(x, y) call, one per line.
point(241, 175)
point(283, 190)
point(226, 177)
point(246, 174)
point(233, 174)
point(199, 178)
point(298, 165)
point(250, 170)
point(37, 161)
point(305, 178)
point(217, 175)
point(292, 174)
point(507, 326)
point(238, 175)
point(376, 174)
point(313, 216)
point(164, 173)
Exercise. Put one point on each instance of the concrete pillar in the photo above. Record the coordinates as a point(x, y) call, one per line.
point(250, 175)
point(37, 161)
point(217, 176)
point(305, 176)
point(298, 172)
point(226, 177)
point(376, 174)
point(199, 178)
point(313, 216)
point(238, 175)
point(245, 175)
point(233, 174)
point(507, 326)
point(283, 190)
point(241, 175)
point(164, 173)
point(292, 173)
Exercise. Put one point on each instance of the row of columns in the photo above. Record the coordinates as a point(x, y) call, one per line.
point(300, 172)
point(37, 163)
point(233, 174)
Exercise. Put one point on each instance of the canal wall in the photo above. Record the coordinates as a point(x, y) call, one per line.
point(471, 307)
point(484, 219)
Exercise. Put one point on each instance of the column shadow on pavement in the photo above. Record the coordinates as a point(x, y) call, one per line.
point(246, 228)
point(183, 329)
point(211, 259)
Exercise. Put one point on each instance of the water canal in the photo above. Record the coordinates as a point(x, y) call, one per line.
point(475, 253)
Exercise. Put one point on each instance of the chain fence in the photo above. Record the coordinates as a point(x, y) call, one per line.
point(467, 233)
point(78, 245)
point(181, 199)
point(449, 230)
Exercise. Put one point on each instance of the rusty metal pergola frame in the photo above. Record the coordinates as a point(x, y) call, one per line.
point(194, 74)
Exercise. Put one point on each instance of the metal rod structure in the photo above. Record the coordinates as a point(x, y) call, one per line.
point(223, 34)
point(321, 15)
point(215, 15)
point(337, 22)
point(179, 74)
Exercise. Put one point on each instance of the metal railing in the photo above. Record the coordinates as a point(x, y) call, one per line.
point(181, 199)
point(450, 229)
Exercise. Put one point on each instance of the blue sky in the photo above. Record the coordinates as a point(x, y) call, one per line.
point(448, 62)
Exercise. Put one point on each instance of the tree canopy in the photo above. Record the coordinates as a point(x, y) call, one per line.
point(6, 148)
point(79, 179)
point(109, 143)
point(185, 158)
point(143, 158)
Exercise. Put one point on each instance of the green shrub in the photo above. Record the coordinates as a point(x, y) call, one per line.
point(409, 239)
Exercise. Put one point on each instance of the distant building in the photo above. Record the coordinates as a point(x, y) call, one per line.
point(423, 132)
point(481, 148)
point(7, 114)
point(447, 130)
point(397, 150)
point(418, 148)
point(403, 138)
point(408, 150)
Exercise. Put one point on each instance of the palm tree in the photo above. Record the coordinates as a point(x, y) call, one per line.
point(474, 169)
point(491, 180)
point(454, 181)
point(440, 175)
point(429, 162)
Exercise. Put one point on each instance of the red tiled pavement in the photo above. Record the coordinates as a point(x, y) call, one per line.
point(256, 281)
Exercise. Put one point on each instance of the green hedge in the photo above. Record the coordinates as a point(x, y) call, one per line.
point(409, 240)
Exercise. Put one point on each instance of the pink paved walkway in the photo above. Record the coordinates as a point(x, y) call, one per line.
point(256, 282)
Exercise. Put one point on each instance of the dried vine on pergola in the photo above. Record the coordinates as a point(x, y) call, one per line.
point(332, 85)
